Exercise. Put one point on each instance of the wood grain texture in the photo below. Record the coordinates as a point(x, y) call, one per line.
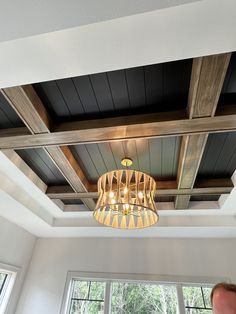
point(224, 123)
point(21, 99)
point(29, 107)
point(165, 188)
point(207, 78)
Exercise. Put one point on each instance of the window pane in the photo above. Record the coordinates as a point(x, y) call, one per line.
point(207, 296)
point(97, 290)
point(86, 307)
point(193, 297)
point(2, 281)
point(129, 298)
point(92, 290)
point(80, 289)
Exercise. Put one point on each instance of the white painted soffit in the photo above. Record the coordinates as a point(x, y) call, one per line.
point(194, 29)
point(227, 202)
point(24, 18)
point(26, 205)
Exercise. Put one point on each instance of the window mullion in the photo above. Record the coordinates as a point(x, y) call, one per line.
point(107, 301)
point(180, 297)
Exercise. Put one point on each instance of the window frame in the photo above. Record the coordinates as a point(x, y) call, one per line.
point(108, 278)
point(7, 288)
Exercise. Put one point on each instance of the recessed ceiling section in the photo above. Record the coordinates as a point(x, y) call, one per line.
point(219, 157)
point(154, 88)
point(39, 161)
point(8, 117)
point(228, 94)
point(72, 202)
point(157, 157)
point(206, 198)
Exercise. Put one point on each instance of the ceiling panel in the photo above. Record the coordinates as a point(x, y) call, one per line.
point(42, 165)
point(153, 88)
point(8, 117)
point(206, 198)
point(228, 95)
point(158, 157)
point(219, 158)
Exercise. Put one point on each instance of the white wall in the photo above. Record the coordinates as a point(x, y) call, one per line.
point(52, 259)
point(16, 248)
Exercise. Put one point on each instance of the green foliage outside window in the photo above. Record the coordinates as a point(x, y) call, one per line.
point(137, 298)
point(129, 298)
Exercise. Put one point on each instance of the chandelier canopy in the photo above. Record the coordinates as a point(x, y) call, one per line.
point(126, 200)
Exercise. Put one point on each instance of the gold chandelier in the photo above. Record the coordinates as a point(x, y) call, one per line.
point(126, 199)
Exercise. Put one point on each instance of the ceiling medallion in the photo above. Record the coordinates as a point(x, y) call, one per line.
point(126, 199)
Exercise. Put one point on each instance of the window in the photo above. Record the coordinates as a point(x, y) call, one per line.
point(197, 300)
point(7, 278)
point(87, 297)
point(3, 278)
point(119, 296)
point(143, 298)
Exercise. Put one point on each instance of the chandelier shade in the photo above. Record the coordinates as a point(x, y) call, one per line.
point(126, 200)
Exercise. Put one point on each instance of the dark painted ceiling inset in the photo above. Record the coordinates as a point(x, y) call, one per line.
point(8, 117)
point(153, 88)
point(200, 198)
point(42, 165)
point(228, 94)
point(158, 157)
point(219, 158)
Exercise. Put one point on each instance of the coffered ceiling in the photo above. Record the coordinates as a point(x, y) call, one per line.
point(74, 102)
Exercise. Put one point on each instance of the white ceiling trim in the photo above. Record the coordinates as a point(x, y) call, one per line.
point(195, 29)
point(61, 14)
point(26, 205)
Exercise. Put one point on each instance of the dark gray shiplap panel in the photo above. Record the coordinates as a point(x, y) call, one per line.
point(219, 158)
point(81, 154)
point(176, 79)
point(154, 85)
point(143, 153)
point(117, 81)
point(72, 202)
point(118, 152)
point(229, 85)
point(136, 87)
point(42, 165)
point(8, 117)
point(169, 157)
point(156, 157)
point(71, 97)
point(97, 158)
point(102, 91)
point(155, 88)
point(209, 198)
point(159, 199)
point(107, 155)
point(86, 94)
point(52, 98)
point(228, 95)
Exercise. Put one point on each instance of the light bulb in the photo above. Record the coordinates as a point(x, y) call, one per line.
point(113, 201)
point(125, 190)
point(111, 194)
point(126, 206)
point(140, 194)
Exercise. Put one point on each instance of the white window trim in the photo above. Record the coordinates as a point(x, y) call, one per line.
point(12, 272)
point(179, 281)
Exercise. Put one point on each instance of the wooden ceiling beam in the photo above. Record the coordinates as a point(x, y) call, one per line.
point(207, 78)
point(105, 130)
point(165, 188)
point(25, 101)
